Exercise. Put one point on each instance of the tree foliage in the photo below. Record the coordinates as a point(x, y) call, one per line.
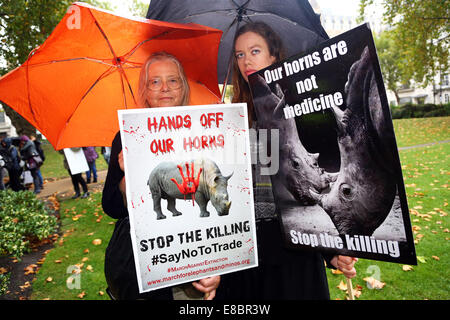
point(391, 61)
point(421, 31)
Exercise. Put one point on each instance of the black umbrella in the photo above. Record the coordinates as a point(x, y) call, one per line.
point(294, 20)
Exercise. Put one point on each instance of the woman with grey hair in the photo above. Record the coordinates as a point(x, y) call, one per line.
point(162, 83)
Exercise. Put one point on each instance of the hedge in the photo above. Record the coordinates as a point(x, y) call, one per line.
point(23, 218)
point(420, 111)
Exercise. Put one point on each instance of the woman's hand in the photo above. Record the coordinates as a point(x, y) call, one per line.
point(122, 183)
point(345, 264)
point(120, 159)
point(208, 286)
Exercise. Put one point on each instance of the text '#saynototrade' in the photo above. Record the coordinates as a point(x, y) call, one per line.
point(194, 252)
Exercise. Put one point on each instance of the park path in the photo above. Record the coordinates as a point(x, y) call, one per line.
point(423, 145)
point(64, 188)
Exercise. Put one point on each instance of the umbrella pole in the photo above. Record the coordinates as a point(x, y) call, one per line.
point(224, 87)
point(230, 61)
point(350, 289)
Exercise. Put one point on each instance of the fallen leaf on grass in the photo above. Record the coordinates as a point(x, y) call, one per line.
point(336, 271)
point(436, 258)
point(69, 281)
point(101, 293)
point(97, 242)
point(3, 270)
point(422, 259)
point(89, 268)
point(342, 286)
point(81, 295)
point(86, 251)
point(49, 279)
point(373, 283)
point(407, 268)
point(356, 292)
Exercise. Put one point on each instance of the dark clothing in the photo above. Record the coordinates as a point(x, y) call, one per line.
point(28, 151)
point(77, 180)
point(12, 164)
point(10, 155)
point(39, 150)
point(90, 153)
point(120, 272)
point(282, 274)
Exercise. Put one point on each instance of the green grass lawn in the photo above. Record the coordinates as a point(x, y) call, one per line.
point(409, 132)
point(74, 268)
point(426, 176)
point(53, 167)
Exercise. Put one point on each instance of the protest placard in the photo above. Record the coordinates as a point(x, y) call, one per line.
point(189, 192)
point(76, 160)
point(339, 188)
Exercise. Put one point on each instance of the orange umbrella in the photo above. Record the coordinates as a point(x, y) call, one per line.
point(71, 86)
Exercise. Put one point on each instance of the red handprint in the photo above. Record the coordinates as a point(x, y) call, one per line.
point(189, 185)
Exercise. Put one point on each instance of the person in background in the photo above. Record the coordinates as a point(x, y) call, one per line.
point(281, 273)
point(11, 159)
point(91, 155)
point(106, 152)
point(37, 144)
point(30, 155)
point(162, 83)
point(2, 163)
point(77, 179)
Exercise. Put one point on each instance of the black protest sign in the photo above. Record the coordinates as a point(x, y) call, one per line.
point(339, 187)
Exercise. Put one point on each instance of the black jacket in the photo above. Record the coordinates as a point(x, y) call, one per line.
point(120, 270)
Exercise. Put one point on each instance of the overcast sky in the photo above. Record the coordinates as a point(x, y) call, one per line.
point(340, 7)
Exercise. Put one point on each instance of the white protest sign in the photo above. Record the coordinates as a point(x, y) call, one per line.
point(189, 192)
point(76, 160)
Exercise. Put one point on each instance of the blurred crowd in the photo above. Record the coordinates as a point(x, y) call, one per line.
point(21, 159)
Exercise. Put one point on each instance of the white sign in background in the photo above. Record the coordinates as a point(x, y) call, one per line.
point(76, 160)
point(188, 247)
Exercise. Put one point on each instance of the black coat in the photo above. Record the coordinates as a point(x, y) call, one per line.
point(120, 270)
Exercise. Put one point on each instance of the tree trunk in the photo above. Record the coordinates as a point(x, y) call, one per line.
point(397, 97)
point(23, 127)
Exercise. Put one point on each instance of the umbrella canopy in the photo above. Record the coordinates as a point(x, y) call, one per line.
point(71, 86)
point(293, 20)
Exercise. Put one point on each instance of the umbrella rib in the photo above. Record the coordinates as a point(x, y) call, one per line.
point(207, 12)
point(71, 59)
point(119, 66)
point(132, 51)
point(103, 75)
point(28, 82)
point(238, 7)
point(260, 13)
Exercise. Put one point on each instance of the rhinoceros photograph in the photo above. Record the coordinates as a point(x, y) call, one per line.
point(200, 180)
point(339, 170)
